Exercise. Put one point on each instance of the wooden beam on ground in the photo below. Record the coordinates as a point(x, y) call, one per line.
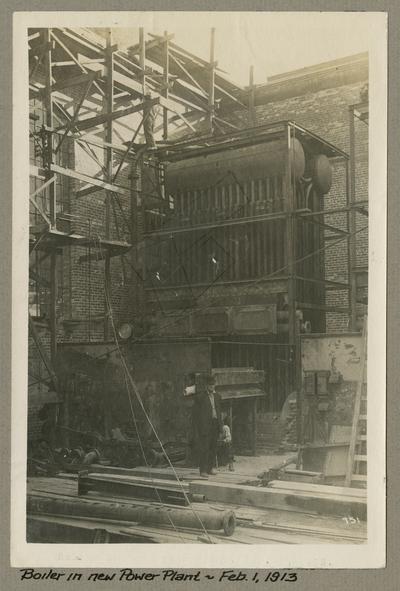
point(317, 488)
point(270, 498)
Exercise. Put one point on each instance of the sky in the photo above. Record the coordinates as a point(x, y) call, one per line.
point(272, 42)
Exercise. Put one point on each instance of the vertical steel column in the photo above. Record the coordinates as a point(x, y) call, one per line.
point(254, 421)
point(109, 97)
point(291, 237)
point(142, 59)
point(211, 83)
point(251, 95)
point(137, 239)
point(47, 161)
point(352, 224)
point(165, 91)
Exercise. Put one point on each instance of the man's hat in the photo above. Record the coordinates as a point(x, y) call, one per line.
point(204, 379)
point(209, 379)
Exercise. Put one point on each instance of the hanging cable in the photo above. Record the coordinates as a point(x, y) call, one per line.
point(139, 399)
point(110, 314)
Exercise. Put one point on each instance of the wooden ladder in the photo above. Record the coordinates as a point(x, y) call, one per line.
point(356, 473)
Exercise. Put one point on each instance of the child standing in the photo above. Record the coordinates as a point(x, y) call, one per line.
point(227, 440)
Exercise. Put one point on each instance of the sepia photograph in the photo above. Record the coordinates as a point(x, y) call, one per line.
point(197, 299)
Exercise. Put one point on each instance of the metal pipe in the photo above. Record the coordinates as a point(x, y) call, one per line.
point(198, 518)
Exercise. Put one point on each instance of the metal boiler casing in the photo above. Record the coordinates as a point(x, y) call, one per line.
point(320, 170)
point(251, 162)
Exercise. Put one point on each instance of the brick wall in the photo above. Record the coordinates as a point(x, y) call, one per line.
point(83, 289)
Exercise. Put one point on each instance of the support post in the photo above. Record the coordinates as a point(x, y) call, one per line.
point(137, 238)
point(291, 239)
point(251, 95)
point(48, 106)
point(254, 421)
point(211, 83)
point(165, 91)
point(142, 59)
point(109, 67)
point(352, 223)
point(48, 155)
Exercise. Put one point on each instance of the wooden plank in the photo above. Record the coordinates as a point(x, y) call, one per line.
point(336, 458)
point(36, 171)
point(86, 191)
point(189, 76)
point(151, 44)
point(80, 176)
point(319, 488)
point(42, 188)
point(184, 474)
point(274, 498)
point(39, 209)
point(359, 477)
point(162, 482)
point(82, 124)
point(75, 81)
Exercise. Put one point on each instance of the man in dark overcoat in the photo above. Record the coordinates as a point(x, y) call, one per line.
point(208, 425)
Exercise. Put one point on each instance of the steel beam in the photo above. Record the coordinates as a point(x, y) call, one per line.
point(80, 176)
point(211, 83)
point(352, 224)
point(165, 90)
point(109, 62)
point(251, 95)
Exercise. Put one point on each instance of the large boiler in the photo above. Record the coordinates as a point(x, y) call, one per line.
point(218, 254)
